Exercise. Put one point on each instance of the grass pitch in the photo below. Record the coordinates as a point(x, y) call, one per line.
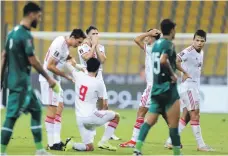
point(214, 130)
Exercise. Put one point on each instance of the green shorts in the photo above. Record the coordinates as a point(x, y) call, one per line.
point(162, 102)
point(22, 102)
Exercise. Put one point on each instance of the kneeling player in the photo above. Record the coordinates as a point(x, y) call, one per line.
point(89, 91)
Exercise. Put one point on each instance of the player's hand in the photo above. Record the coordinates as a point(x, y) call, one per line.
point(94, 40)
point(185, 77)
point(174, 78)
point(54, 85)
point(72, 61)
point(70, 79)
point(154, 32)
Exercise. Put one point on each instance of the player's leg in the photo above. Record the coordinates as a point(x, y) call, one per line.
point(58, 121)
point(12, 110)
point(105, 104)
point(112, 118)
point(36, 126)
point(193, 108)
point(185, 118)
point(151, 120)
point(50, 99)
point(143, 109)
point(173, 115)
point(87, 133)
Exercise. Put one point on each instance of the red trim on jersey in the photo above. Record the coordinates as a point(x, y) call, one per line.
point(179, 57)
point(190, 48)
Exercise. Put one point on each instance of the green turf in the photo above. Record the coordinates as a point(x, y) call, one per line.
point(214, 129)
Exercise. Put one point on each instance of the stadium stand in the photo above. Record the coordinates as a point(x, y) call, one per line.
point(131, 16)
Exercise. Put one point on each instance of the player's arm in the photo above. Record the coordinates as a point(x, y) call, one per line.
point(164, 61)
point(101, 53)
point(85, 51)
point(52, 62)
point(100, 101)
point(100, 105)
point(139, 39)
point(180, 57)
point(3, 65)
point(29, 51)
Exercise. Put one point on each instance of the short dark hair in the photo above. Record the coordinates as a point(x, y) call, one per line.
point(200, 33)
point(31, 7)
point(90, 28)
point(166, 26)
point(156, 37)
point(77, 33)
point(93, 64)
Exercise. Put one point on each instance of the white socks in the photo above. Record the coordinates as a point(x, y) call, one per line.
point(57, 129)
point(49, 123)
point(136, 130)
point(79, 146)
point(182, 125)
point(197, 133)
point(109, 131)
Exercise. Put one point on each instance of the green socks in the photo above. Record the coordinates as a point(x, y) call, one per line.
point(175, 137)
point(142, 135)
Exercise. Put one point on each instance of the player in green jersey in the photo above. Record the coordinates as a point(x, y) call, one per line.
point(164, 94)
point(18, 58)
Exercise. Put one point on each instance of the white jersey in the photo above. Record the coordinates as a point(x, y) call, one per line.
point(85, 48)
point(148, 63)
point(192, 62)
point(87, 89)
point(59, 51)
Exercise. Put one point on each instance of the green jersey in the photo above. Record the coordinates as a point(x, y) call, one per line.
point(19, 46)
point(161, 75)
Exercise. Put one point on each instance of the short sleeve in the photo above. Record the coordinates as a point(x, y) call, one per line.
point(75, 74)
point(100, 90)
point(167, 49)
point(29, 46)
point(84, 48)
point(57, 48)
point(56, 54)
point(182, 55)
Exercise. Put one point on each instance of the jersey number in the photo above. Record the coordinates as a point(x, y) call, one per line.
point(82, 92)
point(156, 62)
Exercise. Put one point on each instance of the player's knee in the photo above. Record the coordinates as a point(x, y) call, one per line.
point(51, 111)
point(142, 111)
point(60, 108)
point(117, 117)
point(195, 115)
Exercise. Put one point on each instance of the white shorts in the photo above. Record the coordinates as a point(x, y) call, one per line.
point(87, 125)
point(190, 96)
point(146, 97)
point(48, 96)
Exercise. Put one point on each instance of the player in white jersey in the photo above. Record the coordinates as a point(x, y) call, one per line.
point(89, 91)
point(91, 48)
point(56, 57)
point(149, 37)
point(190, 62)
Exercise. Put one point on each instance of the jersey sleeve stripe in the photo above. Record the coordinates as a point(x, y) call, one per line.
point(179, 57)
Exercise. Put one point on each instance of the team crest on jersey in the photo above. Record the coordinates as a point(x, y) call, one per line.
point(181, 54)
point(80, 51)
point(56, 54)
point(29, 42)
